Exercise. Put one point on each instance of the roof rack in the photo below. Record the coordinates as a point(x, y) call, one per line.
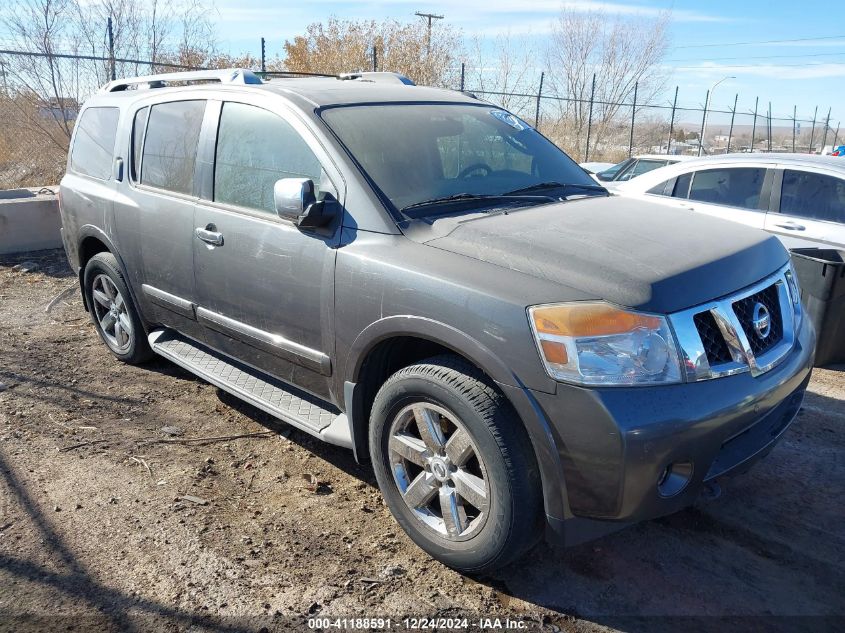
point(225, 76)
point(378, 77)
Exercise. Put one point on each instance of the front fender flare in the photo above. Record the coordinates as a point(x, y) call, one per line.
point(536, 424)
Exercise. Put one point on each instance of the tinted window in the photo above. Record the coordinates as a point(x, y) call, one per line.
point(138, 126)
point(255, 148)
point(732, 186)
point(170, 146)
point(418, 152)
point(814, 196)
point(675, 187)
point(93, 144)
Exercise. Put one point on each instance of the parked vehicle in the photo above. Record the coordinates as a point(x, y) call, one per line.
point(423, 278)
point(636, 166)
point(798, 197)
point(593, 168)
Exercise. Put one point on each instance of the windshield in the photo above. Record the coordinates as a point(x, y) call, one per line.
point(417, 153)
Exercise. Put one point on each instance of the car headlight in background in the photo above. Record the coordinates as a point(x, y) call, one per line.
point(595, 343)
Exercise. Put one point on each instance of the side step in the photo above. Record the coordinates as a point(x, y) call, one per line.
point(277, 398)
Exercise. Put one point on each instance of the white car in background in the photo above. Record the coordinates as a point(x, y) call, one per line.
point(634, 167)
point(595, 167)
point(798, 197)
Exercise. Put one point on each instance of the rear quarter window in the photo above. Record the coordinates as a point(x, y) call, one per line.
point(93, 143)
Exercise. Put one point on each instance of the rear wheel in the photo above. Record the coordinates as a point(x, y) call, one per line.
point(455, 465)
point(112, 311)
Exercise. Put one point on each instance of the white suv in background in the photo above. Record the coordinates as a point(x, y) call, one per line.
point(800, 198)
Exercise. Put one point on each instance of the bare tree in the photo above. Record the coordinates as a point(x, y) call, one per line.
point(45, 88)
point(620, 51)
point(506, 73)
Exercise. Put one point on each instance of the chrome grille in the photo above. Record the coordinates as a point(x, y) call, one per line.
point(744, 309)
point(720, 338)
point(714, 343)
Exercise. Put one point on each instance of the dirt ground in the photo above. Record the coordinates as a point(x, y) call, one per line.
point(96, 532)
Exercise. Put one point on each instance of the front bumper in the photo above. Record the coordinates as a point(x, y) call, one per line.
point(614, 444)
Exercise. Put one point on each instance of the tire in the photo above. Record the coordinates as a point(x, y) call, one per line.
point(113, 312)
point(455, 524)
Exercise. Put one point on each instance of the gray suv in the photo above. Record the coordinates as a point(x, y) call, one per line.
point(423, 278)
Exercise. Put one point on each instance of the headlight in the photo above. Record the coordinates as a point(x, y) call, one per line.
point(597, 344)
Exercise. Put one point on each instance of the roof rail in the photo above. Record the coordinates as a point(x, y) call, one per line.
point(378, 77)
point(224, 76)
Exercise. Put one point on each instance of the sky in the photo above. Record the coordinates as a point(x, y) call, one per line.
point(708, 41)
point(789, 53)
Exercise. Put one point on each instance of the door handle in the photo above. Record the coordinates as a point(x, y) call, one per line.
point(209, 235)
point(791, 226)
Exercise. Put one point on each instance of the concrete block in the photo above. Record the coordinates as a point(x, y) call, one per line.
point(29, 220)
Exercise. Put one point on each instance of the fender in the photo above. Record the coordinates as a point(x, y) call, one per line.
point(533, 418)
point(89, 230)
point(429, 329)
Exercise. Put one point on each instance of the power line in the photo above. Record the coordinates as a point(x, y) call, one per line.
point(756, 66)
point(759, 57)
point(799, 39)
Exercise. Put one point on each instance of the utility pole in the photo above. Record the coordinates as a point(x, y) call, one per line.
point(429, 17)
point(111, 51)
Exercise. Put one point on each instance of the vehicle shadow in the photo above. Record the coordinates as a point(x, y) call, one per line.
point(117, 610)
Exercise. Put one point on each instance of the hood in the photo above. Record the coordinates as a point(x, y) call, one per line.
point(629, 252)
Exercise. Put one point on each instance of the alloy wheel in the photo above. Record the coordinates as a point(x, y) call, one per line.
point(111, 312)
point(439, 471)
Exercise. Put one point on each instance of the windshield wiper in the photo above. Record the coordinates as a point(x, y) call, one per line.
point(459, 197)
point(553, 184)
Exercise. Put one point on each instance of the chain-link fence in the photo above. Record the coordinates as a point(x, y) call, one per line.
point(36, 121)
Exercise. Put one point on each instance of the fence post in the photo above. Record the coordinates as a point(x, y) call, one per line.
point(113, 71)
point(633, 114)
point(539, 96)
point(731, 129)
point(769, 128)
point(754, 126)
point(826, 125)
point(794, 122)
point(263, 56)
point(463, 69)
point(590, 120)
point(672, 121)
point(703, 123)
point(813, 131)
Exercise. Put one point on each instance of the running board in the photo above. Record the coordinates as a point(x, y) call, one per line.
point(280, 400)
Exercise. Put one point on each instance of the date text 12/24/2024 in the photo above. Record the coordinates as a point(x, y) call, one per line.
point(418, 624)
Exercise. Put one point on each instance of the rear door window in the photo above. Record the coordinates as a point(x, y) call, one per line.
point(730, 186)
point(813, 196)
point(93, 144)
point(674, 187)
point(170, 145)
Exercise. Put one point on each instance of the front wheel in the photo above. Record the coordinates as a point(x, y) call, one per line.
point(455, 465)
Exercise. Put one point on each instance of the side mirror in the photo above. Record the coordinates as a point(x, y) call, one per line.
point(294, 200)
